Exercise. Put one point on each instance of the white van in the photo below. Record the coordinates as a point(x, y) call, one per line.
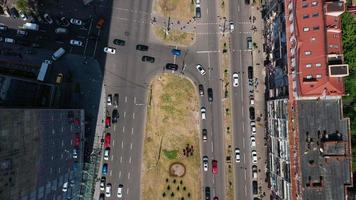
point(59, 53)
point(9, 40)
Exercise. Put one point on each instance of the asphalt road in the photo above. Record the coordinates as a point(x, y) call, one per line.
point(241, 58)
point(127, 75)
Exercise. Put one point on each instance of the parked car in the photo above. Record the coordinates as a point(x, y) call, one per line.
point(254, 156)
point(3, 27)
point(77, 22)
point(23, 16)
point(171, 66)
point(109, 50)
point(250, 72)
point(76, 43)
point(249, 43)
point(9, 40)
point(235, 79)
point(201, 69)
point(254, 171)
point(197, 12)
point(253, 141)
point(108, 190)
point(210, 94)
point(205, 163)
point(107, 140)
point(21, 33)
point(205, 135)
point(77, 140)
point(119, 42)
point(100, 23)
point(119, 190)
point(106, 153)
point(252, 113)
point(231, 26)
point(148, 59)
point(214, 167)
point(105, 169)
point(115, 116)
point(109, 100)
point(48, 18)
point(75, 153)
point(237, 155)
point(201, 90)
point(61, 30)
point(254, 187)
point(203, 113)
point(108, 122)
point(252, 100)
point(207, 193)
point(14, 13)
point(65, 187)
point(141, 47)
point(102, 183)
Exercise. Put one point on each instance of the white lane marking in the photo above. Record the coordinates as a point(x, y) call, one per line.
point(244, 158)
point(128, 189)
point(245, 174)
point(243, 127)
point(124, 114)
point(213, 51)
point(114, 127)
point(242, 109)
point(209, 69)
point(131, 146)
point(86, 43)
point(133, 115)
point(113, 142)
point(131, 131)
point(119, 174)
point(125, 99)
point(243, 142)
point(110, 173)
point(122, 144)
point(120, 159)
point(245, 191)
point(123, 129)
point(134, 99)
point(128, 176)
point(112, 157)
point(212, 147)
point(130, 160)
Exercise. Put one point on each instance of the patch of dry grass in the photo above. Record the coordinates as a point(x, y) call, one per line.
point(177, 9)
point(174, 37)
point(172, 122)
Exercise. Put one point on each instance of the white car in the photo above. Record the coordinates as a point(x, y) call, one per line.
point(252, 100)
point(108, 190)
point(23, 15)
point(201, 69)
point(75, 153)
point(77, 22)
point(65, 187)
point(102, 183)
point(231, 26)
point(76, 43)
point(203, 112)
point(106, 154)
point(205, 163)
point(254, 156)
point(253, 127)
point(237, 155)
point(253, 141)
point(110, 50)
point(235, 79)
point(48, 18)
point(119, 190)
point(109, 100)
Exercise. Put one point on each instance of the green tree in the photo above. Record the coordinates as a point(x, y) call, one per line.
point(22, 5)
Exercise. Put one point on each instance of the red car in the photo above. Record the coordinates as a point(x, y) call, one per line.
point(215, 198)
point(77, 139)
point(107, 140)
point(214, 168)
point(108, 122)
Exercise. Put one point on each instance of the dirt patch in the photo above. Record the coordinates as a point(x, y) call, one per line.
point(174, 105)
point(177, 9)
point(174, 36)
point(177, 169)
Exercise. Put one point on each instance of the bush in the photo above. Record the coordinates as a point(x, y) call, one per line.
point(170, 154)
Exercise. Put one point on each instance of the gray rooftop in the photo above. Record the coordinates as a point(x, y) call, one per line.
point(324, 151)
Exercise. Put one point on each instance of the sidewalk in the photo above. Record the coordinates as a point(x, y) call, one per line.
point(259, 75)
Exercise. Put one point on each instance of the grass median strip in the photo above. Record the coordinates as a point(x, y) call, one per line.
point(171, 161)
point(177, 9)
point(174, 36)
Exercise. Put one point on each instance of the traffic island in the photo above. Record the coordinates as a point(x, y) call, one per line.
point(175, 37)
point(177, 9)
point(171, 158)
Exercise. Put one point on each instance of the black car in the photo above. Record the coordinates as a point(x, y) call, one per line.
point(119, 42)
point(115, 116)
point(14, 13)
point(250, 72)
point(198, 12)
point(171, 66)
point(254, 187)
point(148, 59)
point(210, 95)
point(247, 1)
point(102, 196)
point(207, 193)
point(252, 113)
point(205, 134)
point(141, 47)
point(201, 89)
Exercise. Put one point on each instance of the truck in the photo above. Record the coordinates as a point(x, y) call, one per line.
point(43, 70)
point(31, 26)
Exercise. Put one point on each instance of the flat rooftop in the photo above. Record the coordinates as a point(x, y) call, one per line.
point(324, 149)
point(36, 155)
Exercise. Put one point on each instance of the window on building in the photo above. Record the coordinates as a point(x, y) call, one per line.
point(307, 53)
point(318, 76)
point(318, 65)
point(312, 39)
point(314, 3)
point(336, 35)
point(315, 14)
point(316, 27)
point(306, 29)
point(305, 16)
point(308, 65)
point(304, 4)
point(309, 77)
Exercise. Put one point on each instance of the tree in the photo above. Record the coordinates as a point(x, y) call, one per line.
point(163, 194)
point(22, 5)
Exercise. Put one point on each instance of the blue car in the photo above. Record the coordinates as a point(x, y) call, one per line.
point(104, 170)
point(176, 52)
